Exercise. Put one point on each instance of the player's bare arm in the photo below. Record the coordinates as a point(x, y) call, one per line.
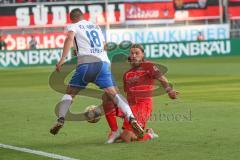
point(67, 46)
point(171, 92)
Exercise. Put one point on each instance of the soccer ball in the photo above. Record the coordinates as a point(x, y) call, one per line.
point(92, 114)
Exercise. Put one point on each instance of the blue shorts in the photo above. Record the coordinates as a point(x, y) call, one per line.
point(98, 73)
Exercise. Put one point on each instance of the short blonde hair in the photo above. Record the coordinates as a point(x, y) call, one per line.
point(76, 14)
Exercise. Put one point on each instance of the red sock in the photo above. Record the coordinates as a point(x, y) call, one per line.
point(112, 122)
point(145, 137)
point(110, 114)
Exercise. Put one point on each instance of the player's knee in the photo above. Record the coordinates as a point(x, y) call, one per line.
point(73, 91)
point(106, 98)
point(71, 94)
point(111, 91)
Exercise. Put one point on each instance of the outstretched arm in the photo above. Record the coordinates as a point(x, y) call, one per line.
point(171, 92)
point(67, 46)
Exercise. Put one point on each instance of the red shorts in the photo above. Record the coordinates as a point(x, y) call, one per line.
point(142, 111)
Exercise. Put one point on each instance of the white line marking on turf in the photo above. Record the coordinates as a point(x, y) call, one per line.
point(41, 153)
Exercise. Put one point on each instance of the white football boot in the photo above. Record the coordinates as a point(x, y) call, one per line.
point(151, 133)
point(113, 136)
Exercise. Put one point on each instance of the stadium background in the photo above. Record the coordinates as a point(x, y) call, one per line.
point(201, 124)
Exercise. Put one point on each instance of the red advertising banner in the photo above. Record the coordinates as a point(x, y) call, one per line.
point(21, 41)
point(58, 15)
point(149, 11)
point(234, 9)
point(196, 9)
point(50, 14)
point(190, 4)
point(208, 13)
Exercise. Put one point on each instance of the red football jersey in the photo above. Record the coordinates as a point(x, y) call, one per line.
point(139, 81)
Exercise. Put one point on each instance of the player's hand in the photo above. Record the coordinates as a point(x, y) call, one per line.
point(59, 65)
point(173, 94)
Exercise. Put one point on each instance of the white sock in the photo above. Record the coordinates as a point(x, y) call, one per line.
point(123, 105)
point(64, 105)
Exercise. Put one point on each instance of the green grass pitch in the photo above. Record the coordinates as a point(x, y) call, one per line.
point(203, 124)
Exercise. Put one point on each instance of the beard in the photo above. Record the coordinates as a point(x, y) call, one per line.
point(136, 63)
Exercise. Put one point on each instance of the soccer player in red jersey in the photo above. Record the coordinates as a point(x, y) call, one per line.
point(138, 85)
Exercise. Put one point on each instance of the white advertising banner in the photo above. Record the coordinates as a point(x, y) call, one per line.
point(169, 34)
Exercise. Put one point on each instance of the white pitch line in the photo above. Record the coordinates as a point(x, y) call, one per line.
point(41, 153)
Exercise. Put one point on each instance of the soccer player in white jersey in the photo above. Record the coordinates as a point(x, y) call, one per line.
point(93, 66)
